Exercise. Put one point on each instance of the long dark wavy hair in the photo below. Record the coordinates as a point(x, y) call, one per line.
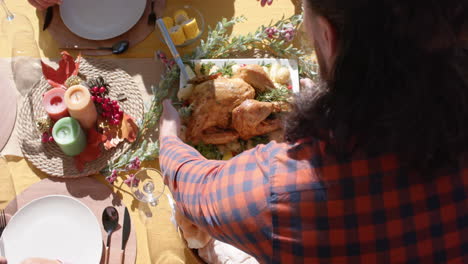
point(399, 83)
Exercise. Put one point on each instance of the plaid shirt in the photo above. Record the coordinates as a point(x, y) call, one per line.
point(295, 204)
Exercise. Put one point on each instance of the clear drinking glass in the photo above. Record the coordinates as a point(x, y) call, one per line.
point(9, 15)
point(157, 212)
point(150, 186)
point(25, 58)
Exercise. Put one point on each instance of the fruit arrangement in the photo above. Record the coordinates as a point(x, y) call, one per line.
point(108, 108)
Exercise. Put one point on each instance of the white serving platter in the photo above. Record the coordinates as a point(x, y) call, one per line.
point(290, 64)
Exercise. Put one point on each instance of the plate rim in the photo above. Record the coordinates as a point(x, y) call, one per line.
point(57, 196)
point(65, 22)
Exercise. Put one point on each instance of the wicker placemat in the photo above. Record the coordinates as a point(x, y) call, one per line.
point(48, 157)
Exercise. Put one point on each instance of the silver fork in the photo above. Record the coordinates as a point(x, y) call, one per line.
point(3, 221)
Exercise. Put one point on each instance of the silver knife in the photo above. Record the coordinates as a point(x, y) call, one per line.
point(125, 233)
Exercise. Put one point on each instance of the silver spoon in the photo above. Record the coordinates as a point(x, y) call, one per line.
point(110, 221)
point(118, 48)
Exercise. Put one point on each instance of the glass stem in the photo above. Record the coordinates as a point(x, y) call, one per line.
point(9, 14)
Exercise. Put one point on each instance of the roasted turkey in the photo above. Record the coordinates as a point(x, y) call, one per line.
point(223, 109)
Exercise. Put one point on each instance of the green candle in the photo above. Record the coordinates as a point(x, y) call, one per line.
point(69, 136)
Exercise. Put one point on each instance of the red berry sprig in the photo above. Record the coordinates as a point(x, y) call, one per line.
point(109, 109)
point(47, 138)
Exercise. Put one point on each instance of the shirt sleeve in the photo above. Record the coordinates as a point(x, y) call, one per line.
point(229, 199)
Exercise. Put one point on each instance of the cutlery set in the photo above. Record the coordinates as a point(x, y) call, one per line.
point(110, 221)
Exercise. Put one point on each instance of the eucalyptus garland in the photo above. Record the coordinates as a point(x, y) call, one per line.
point(275, 39)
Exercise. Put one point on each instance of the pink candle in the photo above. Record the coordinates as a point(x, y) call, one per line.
point(80, 106)
point(54, 103)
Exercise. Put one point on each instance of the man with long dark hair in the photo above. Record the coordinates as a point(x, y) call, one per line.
point(375, 169)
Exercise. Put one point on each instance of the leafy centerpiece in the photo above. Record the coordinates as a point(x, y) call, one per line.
point(81, 116)
point(275, 40)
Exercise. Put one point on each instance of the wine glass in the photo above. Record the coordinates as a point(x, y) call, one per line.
point(157, 211)
point(148, 186)
point(10, 16)
point(25, 57)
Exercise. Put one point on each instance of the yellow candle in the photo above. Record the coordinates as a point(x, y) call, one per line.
point(80, 106)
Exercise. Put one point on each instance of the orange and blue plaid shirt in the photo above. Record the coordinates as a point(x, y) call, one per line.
point(287, 203)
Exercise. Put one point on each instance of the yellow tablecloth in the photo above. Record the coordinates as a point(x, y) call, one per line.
point(162, 247)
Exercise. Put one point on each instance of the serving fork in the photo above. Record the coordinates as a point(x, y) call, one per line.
point(3, 221)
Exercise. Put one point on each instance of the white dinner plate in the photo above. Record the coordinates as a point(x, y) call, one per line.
point(101, 19)
point(54, 227)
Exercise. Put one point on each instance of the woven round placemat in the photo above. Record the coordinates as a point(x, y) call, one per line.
point(48, 157)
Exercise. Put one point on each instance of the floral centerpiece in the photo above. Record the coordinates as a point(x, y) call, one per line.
point(82, 118)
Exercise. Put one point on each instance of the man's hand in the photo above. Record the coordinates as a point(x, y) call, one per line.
point(264, 2)
point(170, 120)
point(43, 4)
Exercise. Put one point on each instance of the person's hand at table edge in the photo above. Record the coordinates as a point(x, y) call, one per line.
point(264, 2)
point(170, 120)
point(43, 4)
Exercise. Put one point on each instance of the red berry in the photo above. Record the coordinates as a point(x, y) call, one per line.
point(290, 87)
point(99, 99)
point(93, 98)
point(115, 102)
point(121, 113)
point(102, 90)
point(51, 139)
point(106, 100)
point(95, 89)
point(116, 107)
point(117, 116)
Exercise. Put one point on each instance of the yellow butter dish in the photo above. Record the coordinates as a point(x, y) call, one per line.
point(191, 28)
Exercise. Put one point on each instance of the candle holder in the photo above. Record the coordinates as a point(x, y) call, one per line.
point(48, 157)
